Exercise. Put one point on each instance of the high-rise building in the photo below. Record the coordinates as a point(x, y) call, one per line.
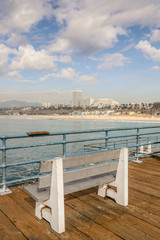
point(77, 96)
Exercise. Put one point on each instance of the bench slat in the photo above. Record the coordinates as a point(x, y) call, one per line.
point(89, 171)
point(70, 162)
point(73, 175)
point(82, 184)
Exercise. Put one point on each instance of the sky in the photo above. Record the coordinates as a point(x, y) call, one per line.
point(107, 49)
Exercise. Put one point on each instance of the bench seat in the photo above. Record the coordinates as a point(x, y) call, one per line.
point(70, 187)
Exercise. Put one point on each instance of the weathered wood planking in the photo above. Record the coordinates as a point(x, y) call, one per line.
point(86, 159)
point(23, 220)
point(74, 175)
point(8, 230)
point(113, 211)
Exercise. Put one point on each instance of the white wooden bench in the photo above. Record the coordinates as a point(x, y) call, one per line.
point(77, 173)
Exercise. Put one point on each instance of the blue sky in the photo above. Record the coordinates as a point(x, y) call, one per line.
point(108, 49)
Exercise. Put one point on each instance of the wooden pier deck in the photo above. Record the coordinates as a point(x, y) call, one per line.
point(89, 216)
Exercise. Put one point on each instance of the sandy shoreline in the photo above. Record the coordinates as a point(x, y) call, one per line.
point(137, 118)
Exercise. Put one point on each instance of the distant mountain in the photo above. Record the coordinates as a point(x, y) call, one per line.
point(15, 103)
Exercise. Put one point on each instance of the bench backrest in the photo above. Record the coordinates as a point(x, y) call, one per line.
point(81, 167)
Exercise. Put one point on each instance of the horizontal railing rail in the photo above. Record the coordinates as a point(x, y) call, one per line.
point(98, 140)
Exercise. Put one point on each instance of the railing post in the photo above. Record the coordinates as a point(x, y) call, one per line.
point(4, 189)
point(106, 139)
point(137, 143)
point(137, 148)
point(64, 144)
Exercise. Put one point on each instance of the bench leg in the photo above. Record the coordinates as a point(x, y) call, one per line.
point(56, 202)
point(102, 190)
point(121, 182)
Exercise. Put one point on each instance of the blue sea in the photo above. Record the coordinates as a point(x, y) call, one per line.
point(17, 126)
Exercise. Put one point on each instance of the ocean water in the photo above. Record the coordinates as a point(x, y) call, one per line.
point(16, 126)
point(13, 126)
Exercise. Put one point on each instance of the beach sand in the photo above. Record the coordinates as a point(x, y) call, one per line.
point(137, 118)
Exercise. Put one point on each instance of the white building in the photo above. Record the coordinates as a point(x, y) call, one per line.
point(78, 101)
point(103, 102)
point(46, 104)
point(77, 96)
point(86, 102)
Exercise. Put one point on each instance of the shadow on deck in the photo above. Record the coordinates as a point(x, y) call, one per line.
point(89, 216)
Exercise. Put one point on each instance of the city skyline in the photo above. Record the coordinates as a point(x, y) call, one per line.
point(108, 49)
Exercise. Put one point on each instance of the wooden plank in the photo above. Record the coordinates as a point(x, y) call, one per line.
point(152, 161)
point(8, 231)
point(149, 207)
point(144, 188)
point(87, 226)
point(23, 220)
point(143, 182)
point(135, 211)
point(115, 225)
point(28, 203)
point(91, 158)
point(143, 169)
point(146, 166)
point(75, 186)
point(81, 160)
point(115, 211)
point(154, 180)
point(149, 198)
point(89, 171)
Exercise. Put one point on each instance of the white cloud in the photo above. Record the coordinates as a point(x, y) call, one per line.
point(69, 74)
point(113, 60)
point(21, 15)
point(87, 79)
point(61, 45)
point(84, 28)
point(14, 75)
point(87, 28)
point(138, 12)
point(16, 39)
point(155, 35)
point(149, 51)
point(64, 59)
point(155, 68)
point(28, 58)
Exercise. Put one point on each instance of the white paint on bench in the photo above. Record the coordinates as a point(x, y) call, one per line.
point(121, 182)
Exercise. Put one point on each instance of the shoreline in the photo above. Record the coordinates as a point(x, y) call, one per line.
point(117, 118)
